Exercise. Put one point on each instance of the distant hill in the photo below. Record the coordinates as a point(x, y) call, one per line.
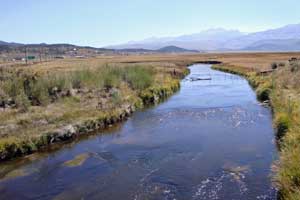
point(51, 49)
point(275, 45)
point(59, 45)
point(9, 43)
point(175, 49)
point(166, 49)
point(137, 50)
point(75, 50)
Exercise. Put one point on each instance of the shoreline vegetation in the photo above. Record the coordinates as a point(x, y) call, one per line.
point(40, 109)
point(279, 87)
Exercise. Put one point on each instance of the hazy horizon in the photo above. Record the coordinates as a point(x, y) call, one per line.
point(101, 23)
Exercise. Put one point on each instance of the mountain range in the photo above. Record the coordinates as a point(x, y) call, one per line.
point(60, 49)
point(285, 38)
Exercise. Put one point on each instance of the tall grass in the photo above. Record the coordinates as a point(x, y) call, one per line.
point(139, 78)
point(286, 103)
point(24, 89)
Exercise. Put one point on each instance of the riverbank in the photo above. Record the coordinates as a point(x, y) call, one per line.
point(280, 88)
point(167, 151)
point(38, 110)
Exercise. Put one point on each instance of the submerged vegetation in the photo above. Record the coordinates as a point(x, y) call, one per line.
point(281, 88)
point(38, 109)
point(77, 161)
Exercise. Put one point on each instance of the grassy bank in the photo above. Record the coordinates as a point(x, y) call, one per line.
point(39, 109)
point(281, 88)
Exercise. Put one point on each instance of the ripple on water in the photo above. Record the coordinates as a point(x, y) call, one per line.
point(229, 181)
point(156, 187)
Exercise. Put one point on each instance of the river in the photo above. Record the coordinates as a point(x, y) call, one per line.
point(211, 140)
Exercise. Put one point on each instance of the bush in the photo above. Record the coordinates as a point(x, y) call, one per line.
point(22, 102)
point(39, 92)
point(116, 98)
point(76, 81)
point(61, 82)
point(85, 78)
point(274, 65)
point(111, 80)
point(13, 87)
point(295, 66)
point(282, 122)
point(263, 93)
point(138, 77)
point(3, 97)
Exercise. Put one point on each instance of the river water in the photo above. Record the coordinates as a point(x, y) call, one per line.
point(211, 140)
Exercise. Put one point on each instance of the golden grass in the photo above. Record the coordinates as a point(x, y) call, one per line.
point(246, 60)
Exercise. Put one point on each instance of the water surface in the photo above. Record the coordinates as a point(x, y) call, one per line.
point(211, 140)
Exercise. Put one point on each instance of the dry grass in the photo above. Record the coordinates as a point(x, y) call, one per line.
point(247, 60)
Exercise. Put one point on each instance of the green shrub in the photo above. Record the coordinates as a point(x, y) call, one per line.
point(61, 82)
point(3, 97)
point(22, 102)
point(139, 77)
point(295, 66)
point(263, 93)
point(13, 87)
point(116, 98)
point(282, 124)
point(39, 92)
point(110, 80)
point(85, 78)
point(274, 65)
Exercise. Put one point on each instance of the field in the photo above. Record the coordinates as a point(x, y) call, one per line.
point(257, 61)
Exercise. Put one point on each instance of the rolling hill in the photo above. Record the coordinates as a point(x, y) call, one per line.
point(175, 49)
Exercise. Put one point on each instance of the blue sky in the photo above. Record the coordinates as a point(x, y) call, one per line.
point(104, 22)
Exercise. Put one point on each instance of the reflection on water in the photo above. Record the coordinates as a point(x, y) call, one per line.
point(212, 140)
